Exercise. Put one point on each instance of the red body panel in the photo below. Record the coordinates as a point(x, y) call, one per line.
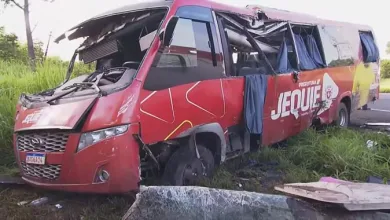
point(79, 170)
point(63, 116)
point(165, 114)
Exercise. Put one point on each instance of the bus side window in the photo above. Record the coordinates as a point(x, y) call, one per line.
point(341, 45)
point(369, 47)
point(191, 57)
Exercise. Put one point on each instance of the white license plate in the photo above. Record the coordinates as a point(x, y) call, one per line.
point(35, 158)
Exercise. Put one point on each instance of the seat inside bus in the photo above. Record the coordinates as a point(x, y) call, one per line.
point(283, 57)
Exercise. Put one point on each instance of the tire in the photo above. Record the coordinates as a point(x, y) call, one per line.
point(343, 116)
point(181, 167)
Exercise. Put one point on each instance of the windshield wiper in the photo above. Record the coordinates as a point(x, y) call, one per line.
point(75, 87)
point(84, 85)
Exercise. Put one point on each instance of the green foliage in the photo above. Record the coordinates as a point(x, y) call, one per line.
point(12, 50)
point(340, 153)
point(335, 152)
point(9, 46)
point(17, 78)
point(385, 69)
point(385, 85)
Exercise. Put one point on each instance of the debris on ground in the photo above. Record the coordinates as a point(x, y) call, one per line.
point(40, 201)
point(22, 203)
point(371, 144)
point(258, 176)
point(58, 206)
point(353, 196)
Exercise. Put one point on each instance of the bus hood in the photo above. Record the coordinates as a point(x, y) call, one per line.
point(63, 116)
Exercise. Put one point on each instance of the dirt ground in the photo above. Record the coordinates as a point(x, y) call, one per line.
point(69, 206)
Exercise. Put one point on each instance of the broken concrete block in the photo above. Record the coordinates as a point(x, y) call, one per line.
point(194, 203)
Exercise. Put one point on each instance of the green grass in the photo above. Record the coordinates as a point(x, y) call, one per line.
point(15, 79)
point(339, 153)
point(385, 86)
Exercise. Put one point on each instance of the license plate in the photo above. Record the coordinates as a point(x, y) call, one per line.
point(35, 158)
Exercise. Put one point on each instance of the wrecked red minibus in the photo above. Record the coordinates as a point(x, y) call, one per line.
point(182, 86)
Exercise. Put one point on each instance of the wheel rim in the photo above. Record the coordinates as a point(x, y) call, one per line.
point(193, 172)
point(343, 118)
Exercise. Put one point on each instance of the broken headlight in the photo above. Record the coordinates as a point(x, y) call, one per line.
point(90, 138)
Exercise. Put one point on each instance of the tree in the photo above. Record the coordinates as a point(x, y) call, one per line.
point(385, 69)
point(8, 46)
point(12, 50)
point(25, 7)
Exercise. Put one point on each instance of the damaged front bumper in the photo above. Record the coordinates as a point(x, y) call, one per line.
point(109, 166)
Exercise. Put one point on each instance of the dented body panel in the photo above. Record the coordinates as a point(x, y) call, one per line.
point(166, 114)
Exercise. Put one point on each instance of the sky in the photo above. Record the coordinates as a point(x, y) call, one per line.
point(61, 15)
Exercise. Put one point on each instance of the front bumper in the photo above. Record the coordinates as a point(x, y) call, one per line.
point(77, 171)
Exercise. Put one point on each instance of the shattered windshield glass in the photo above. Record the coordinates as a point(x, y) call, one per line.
point(117, 46)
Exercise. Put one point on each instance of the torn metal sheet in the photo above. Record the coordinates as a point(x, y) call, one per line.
point(84, 27)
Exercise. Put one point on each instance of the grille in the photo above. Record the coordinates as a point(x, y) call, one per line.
point(50, 172)
point(42, 142)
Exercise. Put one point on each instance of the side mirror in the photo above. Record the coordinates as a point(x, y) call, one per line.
point(167, 34)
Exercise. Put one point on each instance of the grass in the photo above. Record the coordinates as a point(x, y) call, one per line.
point(385, 86)
point(15, 79)
point(339, 153)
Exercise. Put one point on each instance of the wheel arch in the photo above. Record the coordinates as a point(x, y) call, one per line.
point(345, 98)
point(211, 136)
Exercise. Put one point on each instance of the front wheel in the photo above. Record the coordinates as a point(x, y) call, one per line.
point(185, 169)
point(343, 116)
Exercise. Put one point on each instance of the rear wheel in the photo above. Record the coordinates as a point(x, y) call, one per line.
point(185, 169)
point(343, 117)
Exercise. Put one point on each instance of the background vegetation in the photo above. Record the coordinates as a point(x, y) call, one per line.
point(16, 77)
point(335, 152)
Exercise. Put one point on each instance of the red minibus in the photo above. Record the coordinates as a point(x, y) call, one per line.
point(183, 86)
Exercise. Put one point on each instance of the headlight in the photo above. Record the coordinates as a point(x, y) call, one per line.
point(88, 139)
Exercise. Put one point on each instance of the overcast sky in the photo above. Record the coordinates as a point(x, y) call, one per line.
point(63, 14)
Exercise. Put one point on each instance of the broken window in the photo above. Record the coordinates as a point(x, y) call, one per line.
point(340, 45)
point(118, 45)
point(270, 50)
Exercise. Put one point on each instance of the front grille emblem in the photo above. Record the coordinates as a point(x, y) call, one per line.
point(36, 142)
